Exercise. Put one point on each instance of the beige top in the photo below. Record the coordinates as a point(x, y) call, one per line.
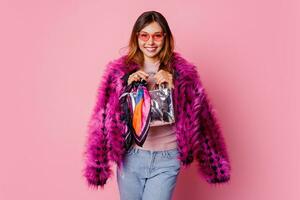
point(159, 137)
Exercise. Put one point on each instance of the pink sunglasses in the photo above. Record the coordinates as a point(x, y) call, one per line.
point(146, 36)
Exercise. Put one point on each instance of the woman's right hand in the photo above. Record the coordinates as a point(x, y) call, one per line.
point(136, 76)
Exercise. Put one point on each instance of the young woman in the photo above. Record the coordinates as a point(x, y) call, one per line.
point(150, 171)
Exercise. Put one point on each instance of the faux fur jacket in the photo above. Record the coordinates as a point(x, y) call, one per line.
point(198, 132)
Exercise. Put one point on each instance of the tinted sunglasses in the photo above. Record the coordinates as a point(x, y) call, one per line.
point(144, 36)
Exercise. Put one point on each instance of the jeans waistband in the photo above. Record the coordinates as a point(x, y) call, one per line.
point(136, 150)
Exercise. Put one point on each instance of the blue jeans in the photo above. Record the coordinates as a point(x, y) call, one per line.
point(148, 175)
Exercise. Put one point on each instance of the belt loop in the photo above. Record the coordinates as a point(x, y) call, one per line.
point(168, 153)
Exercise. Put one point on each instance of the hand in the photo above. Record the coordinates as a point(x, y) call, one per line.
point(136, 76)
point(164, 76)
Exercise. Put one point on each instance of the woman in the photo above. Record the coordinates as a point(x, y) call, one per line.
point(150, 171)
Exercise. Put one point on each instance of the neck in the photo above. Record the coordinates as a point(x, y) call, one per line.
point(151, 60)
point(150, 65)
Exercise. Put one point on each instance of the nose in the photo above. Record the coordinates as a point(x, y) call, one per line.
point(151, 40)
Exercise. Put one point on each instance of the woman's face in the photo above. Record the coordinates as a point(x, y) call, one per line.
point(151, 47)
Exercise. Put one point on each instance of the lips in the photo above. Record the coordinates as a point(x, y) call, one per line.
point(151, 49)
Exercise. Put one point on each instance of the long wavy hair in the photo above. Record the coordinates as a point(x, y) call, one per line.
point(165, 56)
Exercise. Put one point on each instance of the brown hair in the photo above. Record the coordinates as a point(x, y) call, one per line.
point(135, 55)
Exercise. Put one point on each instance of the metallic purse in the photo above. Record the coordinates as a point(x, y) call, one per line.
point(156, 109)
point(162, 109)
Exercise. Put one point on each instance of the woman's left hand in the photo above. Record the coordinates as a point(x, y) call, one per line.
point(164, 76)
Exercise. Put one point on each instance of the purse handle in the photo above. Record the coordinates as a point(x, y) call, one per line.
point(135, 84)
point(161, 86)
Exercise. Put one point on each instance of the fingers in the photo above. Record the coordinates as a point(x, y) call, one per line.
point(161, 76)
point(164, 76)
point(142, 74)
point(161, 80)
point(163, 73)
point(137, 76)
point(133, 78)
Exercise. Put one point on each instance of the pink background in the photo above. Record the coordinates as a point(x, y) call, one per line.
point(53, 54)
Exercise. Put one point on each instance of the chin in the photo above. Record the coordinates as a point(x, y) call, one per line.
point(151, 55)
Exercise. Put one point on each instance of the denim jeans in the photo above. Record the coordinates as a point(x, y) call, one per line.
point(148, 174)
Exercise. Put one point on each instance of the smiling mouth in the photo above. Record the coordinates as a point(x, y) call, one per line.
point(151, 49)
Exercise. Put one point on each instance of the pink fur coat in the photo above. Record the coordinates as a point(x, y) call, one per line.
point(198, 132)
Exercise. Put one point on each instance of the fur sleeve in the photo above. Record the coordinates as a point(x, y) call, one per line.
point(212, 157)
point(97, 168)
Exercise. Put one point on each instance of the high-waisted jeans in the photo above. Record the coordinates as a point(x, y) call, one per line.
point(148, 174)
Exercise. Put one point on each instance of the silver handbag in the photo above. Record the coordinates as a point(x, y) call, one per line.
point(162, 109)
point(157, 111)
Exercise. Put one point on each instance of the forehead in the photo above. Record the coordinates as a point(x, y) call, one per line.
point(152, 28)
